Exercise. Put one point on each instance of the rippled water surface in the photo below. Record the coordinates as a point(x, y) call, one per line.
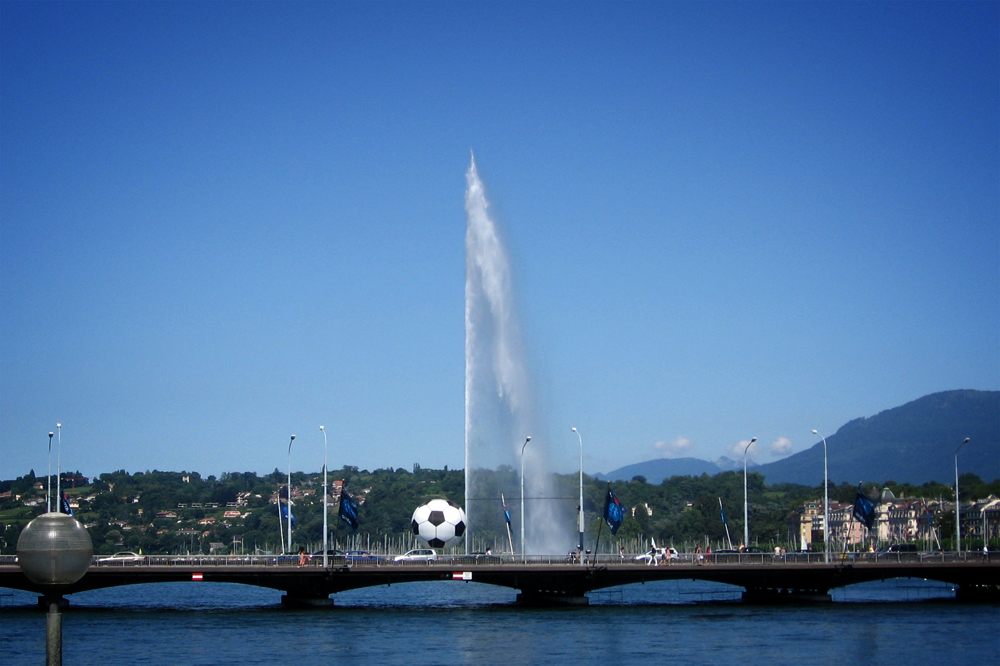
point(467, 623)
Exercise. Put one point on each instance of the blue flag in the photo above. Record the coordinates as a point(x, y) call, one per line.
point(285, 513)
point(614, 511)
point(66, 508)
point(864, 509)
point(349, 510)
point(723, 511)
point(506, 514)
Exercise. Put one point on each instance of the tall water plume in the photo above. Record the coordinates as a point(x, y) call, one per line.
point(498, 405)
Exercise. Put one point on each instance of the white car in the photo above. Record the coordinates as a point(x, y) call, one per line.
point(124, 557)
point(418, 555)
point(656, 555)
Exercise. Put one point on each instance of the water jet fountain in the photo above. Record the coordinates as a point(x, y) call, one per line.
point(498, 405)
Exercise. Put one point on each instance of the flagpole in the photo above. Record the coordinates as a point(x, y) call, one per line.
point(59, 469)
point(958, 508)
point(281, 525)
point(851, 530)
point(510, 537)
point(597, 542)
point(290, 493)
point(48, 489)
point(726, 523)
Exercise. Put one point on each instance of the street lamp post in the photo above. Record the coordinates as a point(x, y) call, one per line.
point(958, 508)
point(290, 494)
point(326, 532)
point(48, 487)
point(826, 505)
point(59, 467)
point(746, 523)
point(522, 496)
point(578, 436)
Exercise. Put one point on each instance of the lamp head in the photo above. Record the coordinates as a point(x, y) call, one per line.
point(527, 440)
point(814, 431)
point(753, 440)
point(573, 429)
point(293, 438)
point(966, 440)
point(321, 428)
point(50, 435)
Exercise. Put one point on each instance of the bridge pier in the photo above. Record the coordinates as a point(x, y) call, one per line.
point(292, 600)
point(756, 595)
point(551, 599)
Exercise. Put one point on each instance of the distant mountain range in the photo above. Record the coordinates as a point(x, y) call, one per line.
point(654, 471)
point(914, 443)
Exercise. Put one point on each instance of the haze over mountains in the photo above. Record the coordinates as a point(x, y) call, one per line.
point(914, 443)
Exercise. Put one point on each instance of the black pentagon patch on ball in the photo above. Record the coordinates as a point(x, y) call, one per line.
point(415, 527)
point(459, 529)
point(436, 518)
point(436, 543)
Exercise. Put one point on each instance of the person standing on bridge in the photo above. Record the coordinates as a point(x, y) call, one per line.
point(302, 556)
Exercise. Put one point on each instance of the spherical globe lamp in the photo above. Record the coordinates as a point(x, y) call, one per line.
point(54, 549)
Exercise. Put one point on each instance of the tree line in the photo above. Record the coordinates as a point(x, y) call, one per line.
point(124, 511)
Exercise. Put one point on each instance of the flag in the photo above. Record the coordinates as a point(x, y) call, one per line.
point(285, 513)
point(930, 518)
point(614, 511)
point(66, 508)
point(506, 514)
point(864, 509)
point(349, 510)
point(723, 511)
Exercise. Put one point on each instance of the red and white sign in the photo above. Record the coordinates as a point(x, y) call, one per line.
point(462, 575)
point(197, 576)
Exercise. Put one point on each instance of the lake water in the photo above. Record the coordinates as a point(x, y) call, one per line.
point(451, 622)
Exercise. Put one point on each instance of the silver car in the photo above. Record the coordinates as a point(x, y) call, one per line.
point(418, 555)
point(124, 557)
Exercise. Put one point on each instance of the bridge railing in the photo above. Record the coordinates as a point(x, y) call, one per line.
point(684, 559)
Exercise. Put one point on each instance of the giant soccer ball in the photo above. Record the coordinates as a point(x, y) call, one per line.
point(438, 523)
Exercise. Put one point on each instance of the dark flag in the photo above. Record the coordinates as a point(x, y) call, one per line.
point(286, 514)
point(614, 511)
point(506, 514)
point(723, 511)
point(66, 508)
point(864, 509)
point(349, 510)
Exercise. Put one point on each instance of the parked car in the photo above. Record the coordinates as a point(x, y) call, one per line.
point(898, 552)
point(417, 555)
point(361, 557)
point(656, 555)
point(724, 556)
point(124, 557)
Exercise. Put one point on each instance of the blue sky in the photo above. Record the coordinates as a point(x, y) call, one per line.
point(223, 223)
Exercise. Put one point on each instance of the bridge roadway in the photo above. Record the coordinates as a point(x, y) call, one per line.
point(540, 581)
